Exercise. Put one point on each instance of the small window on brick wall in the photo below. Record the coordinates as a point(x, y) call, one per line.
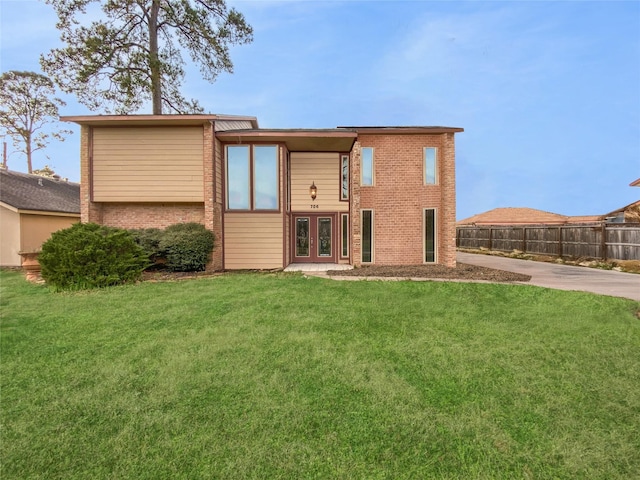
point(366, 169)
point(430, 166)
point(430, 235)
point(367, 236)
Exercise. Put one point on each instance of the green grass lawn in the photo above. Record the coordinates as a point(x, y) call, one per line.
point(281, 376)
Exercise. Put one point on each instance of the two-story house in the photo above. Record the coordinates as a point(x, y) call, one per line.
point(272, 197)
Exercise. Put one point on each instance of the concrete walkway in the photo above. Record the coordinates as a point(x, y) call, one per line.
point(316, 267)
point(563, 277)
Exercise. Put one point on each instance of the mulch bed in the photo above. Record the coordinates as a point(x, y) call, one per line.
point(462, 271)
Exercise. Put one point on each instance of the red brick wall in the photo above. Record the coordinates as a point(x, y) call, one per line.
point(399, 198)
point(212, 208)
point(89, 211)
point(354, 206)
point(151, 215)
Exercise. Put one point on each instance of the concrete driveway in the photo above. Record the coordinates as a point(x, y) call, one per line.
point(563, 277)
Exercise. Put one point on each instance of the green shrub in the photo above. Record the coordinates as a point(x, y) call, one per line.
point(149, 239)
point(87, 255)
point(186, 247)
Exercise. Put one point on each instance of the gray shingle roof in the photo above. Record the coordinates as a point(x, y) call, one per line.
point(33, 192)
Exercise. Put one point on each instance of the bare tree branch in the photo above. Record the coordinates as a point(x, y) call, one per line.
point(26, 106)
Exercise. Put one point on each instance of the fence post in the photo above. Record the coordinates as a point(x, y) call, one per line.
point(603, 241)
point(560, 242)
point(490, 238)
point(524, 239)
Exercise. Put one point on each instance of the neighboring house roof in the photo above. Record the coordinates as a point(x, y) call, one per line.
point(631, 212)
point(514, 216)
point(33, 192)
point(531, 216)
point(635, 183)
point(584, 218)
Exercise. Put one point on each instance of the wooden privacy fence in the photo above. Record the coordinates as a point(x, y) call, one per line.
point(606, 241)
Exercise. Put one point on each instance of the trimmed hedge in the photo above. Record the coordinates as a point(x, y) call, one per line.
point(183, 247)
point(149, 240)
point(186, 247)
point(87, 255)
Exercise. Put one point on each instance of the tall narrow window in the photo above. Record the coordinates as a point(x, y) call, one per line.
point(429, 235)
point(344, 172)
point(430, 166)
point(265, 177)
point(345, 235)
point(367, 166)
point(238, 177)
point(367, 236)
point(325, 236)
point(302, 237)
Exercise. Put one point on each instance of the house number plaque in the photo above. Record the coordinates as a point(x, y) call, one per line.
point(315, 206)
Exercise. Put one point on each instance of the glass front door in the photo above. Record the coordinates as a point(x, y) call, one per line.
point(314, 238)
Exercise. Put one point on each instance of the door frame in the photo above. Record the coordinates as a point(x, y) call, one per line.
point(313, 220)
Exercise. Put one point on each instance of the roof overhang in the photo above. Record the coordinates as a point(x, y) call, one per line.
point(404, 130)
point(152, 120)
point(51, 213)
point(297, 140)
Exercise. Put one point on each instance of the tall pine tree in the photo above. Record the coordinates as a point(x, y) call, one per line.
point(133, 54)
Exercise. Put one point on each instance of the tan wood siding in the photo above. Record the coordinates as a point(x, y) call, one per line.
point(10, 238)
point(324, 170)
point(253, 240)
point(37, 229)
point(138, 164)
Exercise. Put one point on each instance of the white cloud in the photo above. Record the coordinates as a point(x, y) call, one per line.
point(492, 56)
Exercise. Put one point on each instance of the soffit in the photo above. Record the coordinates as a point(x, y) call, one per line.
point(295, 140)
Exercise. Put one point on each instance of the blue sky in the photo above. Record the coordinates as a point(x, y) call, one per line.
point(548, 92)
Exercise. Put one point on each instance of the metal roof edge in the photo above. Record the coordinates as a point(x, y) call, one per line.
point(192, 119)
point(399, 129)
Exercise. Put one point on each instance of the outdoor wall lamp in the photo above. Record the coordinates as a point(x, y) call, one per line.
point(313, 190)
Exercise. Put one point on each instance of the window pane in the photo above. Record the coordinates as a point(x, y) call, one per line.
point(302, 237)
point(345, 235)
point(430, 165)
point(265, 177)
point(345, 177)
point(367, 166)
point(430, 235)
point(324, 237)
point(238, 177)
point(367, 235)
